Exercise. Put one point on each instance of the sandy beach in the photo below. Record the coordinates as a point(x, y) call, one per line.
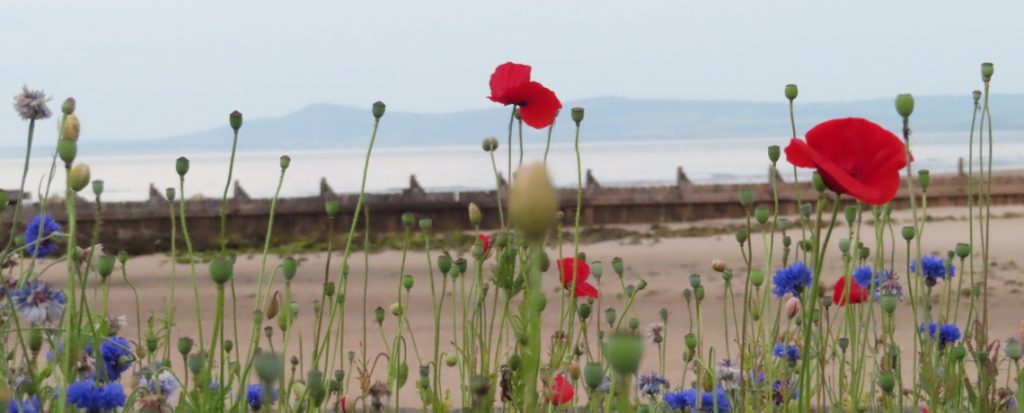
point(664, 262)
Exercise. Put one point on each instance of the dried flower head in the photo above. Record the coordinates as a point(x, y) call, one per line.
point(31, 104)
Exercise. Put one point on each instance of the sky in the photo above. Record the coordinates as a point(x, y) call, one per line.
point(145, 69)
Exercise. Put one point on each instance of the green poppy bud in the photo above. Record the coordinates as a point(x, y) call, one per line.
point(196, 362)
point(976, 95)
point(774, 153)
point(904, 105)
point(756, 277)
point(791, 91)
point(691, 341)
point(444, 263)
point(490, 144)
point(698, 293)
point(67, 150)
point(221, 270)
point(1013, 349)
point(806, 245)
point(533, 201)
point(78, 178)
point(962, 250)
point(288, 268)
point(633, 323)
point(397, 310)
point(35, 340)
point(235, 120)
point(741, 236)
point(924, 178)
point(401, 374)
point(593, 375)
point(618, 266)
point(886, 382)
point(958, 353)
point(105, 265)
point(426, 224)
point(181, 166)
point(609, 315)
point(474, 214)
point(268, 366)
point(378, 315)
point(152, 343)
point(584, 311)
point(71, 128)
point(228, 345)
point(331, 207)
point(451, 360)
point(844, 245)
point(285, 162)
point(986, 71)
point(68, 107)
point(407, 281)
point(851, 214)
point(623, 352)
point(538, 301)
point(819, 182)
point(577, 115)
point(378, 109)
point(762, 214)
point(908, 232)
point(515, 361)
point(746, 198)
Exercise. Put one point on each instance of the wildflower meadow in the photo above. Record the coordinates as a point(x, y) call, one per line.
point(472, 331)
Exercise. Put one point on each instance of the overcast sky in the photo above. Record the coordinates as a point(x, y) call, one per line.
point(143, 69)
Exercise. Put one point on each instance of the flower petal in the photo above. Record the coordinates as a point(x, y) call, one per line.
point(539, 105)
point(507, 78)
point(586, 290)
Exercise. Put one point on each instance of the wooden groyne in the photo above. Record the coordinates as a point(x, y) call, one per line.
point(144, 226)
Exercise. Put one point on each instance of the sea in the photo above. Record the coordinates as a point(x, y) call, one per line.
point(464, 168)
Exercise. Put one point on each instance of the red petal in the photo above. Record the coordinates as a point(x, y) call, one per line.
point(486, 241)
point(539, 105)
point(586, 290)
point(857, 294)
point(561, 391)
point(505, 79)
point(567, 267)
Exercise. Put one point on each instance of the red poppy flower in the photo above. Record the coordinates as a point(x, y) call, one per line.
point(857, 293)
point(561, 392)
point(568, 267)
point(511, 85)
point(486, 241)
point(854, 156)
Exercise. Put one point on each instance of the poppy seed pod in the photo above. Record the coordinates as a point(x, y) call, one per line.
point(886, 382)
point(746, 198)
point(762, 214)
point(609, 315)
point(67, 151)
point(623, 352)
point(584, 311)
point(462, 264)
point(196, 363)
point(105, 265)
point(577, 115)
point(235, 120)
point(533, 201)
point(987, 70)
point(78, 178)
point(844, 245)
point(185, 345)
point(474, 214)
point(1013, 349)
point(962, 250)
point(221, 270)
point(756, 277)
point(451, 360)
point(329, 288)
point(97, 187)
point(908, 232)
point(774, 152)
point(268, 366)
point(228, 345)
point(593, 375)
point(68, 107)
point(741, 236)
point(71, 128)
point(490, 144)
point(633, 324)
point(691, 341)
point(426, 224)
point(806, 209)
point(959, 353)
point(331, 207)
point(976, 95)
point(597, 269)
point(924, 178)
point(285, 162)
point(698, 293)
point(407, 281)
point(288, 268)
point(695, 280)
point(170, 193)
point(444, 263)
point(905, 104)
point(851, 214)
point(378, 315)
point(181, 166)
point(791, 91)
point(618, 266)
point(378, 109)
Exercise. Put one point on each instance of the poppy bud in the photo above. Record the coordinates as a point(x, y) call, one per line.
point(618, 266)
point(787, 241)
point(633, 324)
point(67, 150)
point(378, 109)
point(235, 120)
point(577, 115)
point(691, 341)
point(378, 315)
point(904, 105)
point(152, 343)
point(958, 353)
point(623, 352)
point(407, 281)
point(105, 265)
point(924, 178)
point(851, 214)
point(533, 201)
point(783, 224)
point(864, 252)
point(889, 303)
point(426, 224)
point(976, 95)
point(844, 245)
point(597, 269)
point(791, 91)
point(97, 187)
point(196, 362)
point(462, 265)
point(908, 232)
point(269, 367)
point(584, 311)
point(474, 214)
point(331, 207)
point(593, 375)
point(762, 214)
point(773, 153)
point(514, 362)
point(329, 288)
point(257, 317)
point(741, 236)
point(805, 209)
point(792, 307)
point(1013, 349)
point(288, 268)
point(79, 177)
point(986, 71)
point(819, 182)
point(184, 346)
point(609, 315)
point(963, 250)
point(746, 198)
point(718, 265)
point(844, 343)
point(695, 280)
point(444, 263)
point(285, 161)
point(68, 107)
point(806, 245)
point(71, 128)
point(490, 144)
point(221, 270)
point(756, 277)
point(169, 193)
point(538, 301)
point(698, 293)
point(181, 166)
point(451, 360)
point(886, 382)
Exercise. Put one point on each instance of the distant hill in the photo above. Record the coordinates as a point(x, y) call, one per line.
point(322, 126)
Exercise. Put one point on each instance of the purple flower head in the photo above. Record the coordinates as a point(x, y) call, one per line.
point(792, 279)
point(684, 400)
point(117, 356)
point(39, 242)
point(254, 395)
point(96, 398)
point(39, 304)
point(717, 402)
point(783, 391)
point(790, 353)
point(27, 406)
point(934, 267)
point(947, 333)
point(866, 277)
point(31, 104)
point(651, 384)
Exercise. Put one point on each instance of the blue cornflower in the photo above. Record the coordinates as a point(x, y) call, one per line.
point(95, 398)
point(792, 279)
point(254, 395)
point(933, 267)
point(866, 277)
point(790, 353)
point(38, 242)
point(783, 392)
point(948, 333)
point(651, 384)
point(28, 406)
point(684, 400)
point(708, 402)
point(39, 304)
point(117, 356)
